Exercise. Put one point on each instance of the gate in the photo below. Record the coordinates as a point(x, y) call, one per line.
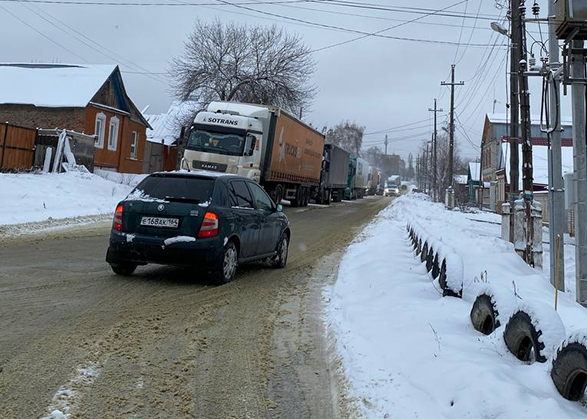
point(17, 147)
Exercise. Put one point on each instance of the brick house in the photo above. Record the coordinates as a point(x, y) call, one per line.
point(89, 99)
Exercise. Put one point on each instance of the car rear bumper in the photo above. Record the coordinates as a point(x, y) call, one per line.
point(143, 249)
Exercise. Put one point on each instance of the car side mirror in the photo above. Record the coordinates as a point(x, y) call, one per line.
point(279, 208)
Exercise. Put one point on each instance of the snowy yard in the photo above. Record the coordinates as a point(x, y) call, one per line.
point(408, 352)
point(32, 197)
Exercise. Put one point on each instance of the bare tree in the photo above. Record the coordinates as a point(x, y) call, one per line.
point(244, 63)
point(347, 135)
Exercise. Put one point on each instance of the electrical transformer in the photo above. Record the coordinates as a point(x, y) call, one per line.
point(571, 15)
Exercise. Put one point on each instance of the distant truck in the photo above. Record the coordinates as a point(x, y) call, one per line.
point(335, 169)
point(358, 178)
point(263, 143)
point(373, 181)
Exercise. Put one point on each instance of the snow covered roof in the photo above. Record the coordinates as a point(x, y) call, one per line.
point(51, 85)
point(166, 127)
point(502, 118)
point(539, 161)
point(475, 171)
point(461, 179)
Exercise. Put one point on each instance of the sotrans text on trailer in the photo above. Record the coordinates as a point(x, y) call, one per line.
point(263, 143)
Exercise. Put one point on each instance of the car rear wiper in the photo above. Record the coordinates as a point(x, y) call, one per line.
point(182, 199)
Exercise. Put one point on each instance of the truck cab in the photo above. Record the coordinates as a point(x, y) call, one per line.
point(224, 142)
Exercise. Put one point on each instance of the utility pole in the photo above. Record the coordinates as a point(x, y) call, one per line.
point(386, 142)
point(451, 133)
point(434, 152)
point(580, 167)
point(525, 125)
point(514, 99)
point(556, 224)
point(514, 109)
point(426, 170)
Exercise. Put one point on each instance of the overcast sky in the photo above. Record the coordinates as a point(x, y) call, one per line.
point(378, 82)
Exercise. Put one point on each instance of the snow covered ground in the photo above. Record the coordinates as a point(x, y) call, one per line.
point(410, 353)
point(28, 197)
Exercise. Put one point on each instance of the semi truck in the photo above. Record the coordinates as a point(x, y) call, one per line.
point(358, 178)
point(260, 142)
point(334, 176)
point(374, 181)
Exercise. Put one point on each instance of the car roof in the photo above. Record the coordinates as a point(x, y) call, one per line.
point(199, 174)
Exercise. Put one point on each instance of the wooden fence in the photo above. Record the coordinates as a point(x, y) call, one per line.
point(17, 147)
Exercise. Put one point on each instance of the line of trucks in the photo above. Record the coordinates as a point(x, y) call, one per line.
point(290, 159)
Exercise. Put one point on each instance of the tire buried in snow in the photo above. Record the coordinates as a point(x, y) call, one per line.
point(569, 370)
point(484, 315)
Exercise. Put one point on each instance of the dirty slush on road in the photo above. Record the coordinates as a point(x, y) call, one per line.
point(165, 344)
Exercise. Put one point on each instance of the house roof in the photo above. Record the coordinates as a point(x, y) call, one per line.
point(475, 171)
point(539, 162)
point(166, 127)
point(51, 85)
point(502, 118)
point(461, 179)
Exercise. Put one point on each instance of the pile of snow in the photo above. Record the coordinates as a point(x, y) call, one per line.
point(130, 179)
point(408, 352)
point(29, 197)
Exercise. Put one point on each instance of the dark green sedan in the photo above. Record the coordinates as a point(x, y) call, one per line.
point(208, 220)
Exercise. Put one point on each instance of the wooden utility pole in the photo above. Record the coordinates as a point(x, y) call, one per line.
point(434, 152)
point(451, 133)
point(386, 142)
point(525, 125)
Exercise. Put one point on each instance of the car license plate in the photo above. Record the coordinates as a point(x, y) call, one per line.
point(160, 222)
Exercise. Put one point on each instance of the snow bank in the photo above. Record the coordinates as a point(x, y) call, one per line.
point(28, 197)
point(408, 352)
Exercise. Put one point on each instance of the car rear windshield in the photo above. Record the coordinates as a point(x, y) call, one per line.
point(188, 188)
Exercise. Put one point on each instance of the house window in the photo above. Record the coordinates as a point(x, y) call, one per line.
point(134, 144)
point(113, 134)
point(99, 129)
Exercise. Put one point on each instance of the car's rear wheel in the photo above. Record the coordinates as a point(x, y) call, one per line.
point(124, 268)
point(228, 264)
point(280, 259)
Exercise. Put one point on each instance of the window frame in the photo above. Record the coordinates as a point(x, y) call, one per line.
point(234, 195)
point(114, 121)
point(252, 186)
point(134, 145)
point(99, 141)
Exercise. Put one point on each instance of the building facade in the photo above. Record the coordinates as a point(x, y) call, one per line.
point(88, 99)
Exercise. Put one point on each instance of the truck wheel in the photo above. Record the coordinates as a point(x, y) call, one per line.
point(278, 192)
point(297, 201)
point(569, 371)
point(328, 198)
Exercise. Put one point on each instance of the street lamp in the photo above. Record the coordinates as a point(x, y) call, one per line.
point(498, 28)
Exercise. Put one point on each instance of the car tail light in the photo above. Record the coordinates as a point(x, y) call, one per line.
point(209, 226)
point(117, 222)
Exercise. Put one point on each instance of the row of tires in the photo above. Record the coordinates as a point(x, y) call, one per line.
point(441, 260)
point(534, 332)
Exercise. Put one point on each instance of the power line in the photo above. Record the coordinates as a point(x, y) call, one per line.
point(43, 34)
point(338, 28)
